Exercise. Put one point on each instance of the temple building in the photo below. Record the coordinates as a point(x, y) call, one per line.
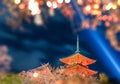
point(77, 63)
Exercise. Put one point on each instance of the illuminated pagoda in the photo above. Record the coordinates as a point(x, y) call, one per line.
point(78, 63)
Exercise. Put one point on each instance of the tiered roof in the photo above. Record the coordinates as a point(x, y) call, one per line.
point(77, 58)
point(79, 69)
point(78, 63)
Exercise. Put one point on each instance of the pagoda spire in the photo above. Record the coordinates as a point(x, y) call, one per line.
point(77, 63)
point(77, 45)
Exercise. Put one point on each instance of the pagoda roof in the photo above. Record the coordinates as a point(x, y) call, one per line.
point(79, 69)
point(77, 58)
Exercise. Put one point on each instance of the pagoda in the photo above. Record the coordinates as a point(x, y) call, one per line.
point(78, 63)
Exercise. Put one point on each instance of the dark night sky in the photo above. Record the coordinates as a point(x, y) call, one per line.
point(37, 45)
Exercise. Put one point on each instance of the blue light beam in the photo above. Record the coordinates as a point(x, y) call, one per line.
point(103, 51)
point(100, 48)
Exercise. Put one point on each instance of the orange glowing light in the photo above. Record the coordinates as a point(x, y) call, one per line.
point(96, 6)
point(21, 6)
point(79, 69)
point(78, 58)
point(95, 12)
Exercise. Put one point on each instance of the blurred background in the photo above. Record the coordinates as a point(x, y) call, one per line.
point(36, 36)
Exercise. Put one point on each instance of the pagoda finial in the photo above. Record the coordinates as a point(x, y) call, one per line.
point(77, 46)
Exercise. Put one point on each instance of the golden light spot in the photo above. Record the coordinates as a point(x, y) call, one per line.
point(96, 12)
point(118, 2)
point(88, 8)
point(114, 6)
point(17, 1)
point(96, 6)
point(35, 75)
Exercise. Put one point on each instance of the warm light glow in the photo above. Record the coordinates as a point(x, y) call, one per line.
point(21, 6)
point(109, 18)
point(38, 20)
point(41, 2)
point(109, 6)
point(104, 18)
point(96, 6)
point(49, 4)
point(80, 2)
point(88, 8)
point(60, 1)
point(107, 24)
point(97, 1)
point(90, 1)
point(35, 74)
point(114, 6)
point(95, 12)
point(67, 1)
point(17, 1)
point(118, 2)
point(51, 12)
point(55, 5)
point(34, 7)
